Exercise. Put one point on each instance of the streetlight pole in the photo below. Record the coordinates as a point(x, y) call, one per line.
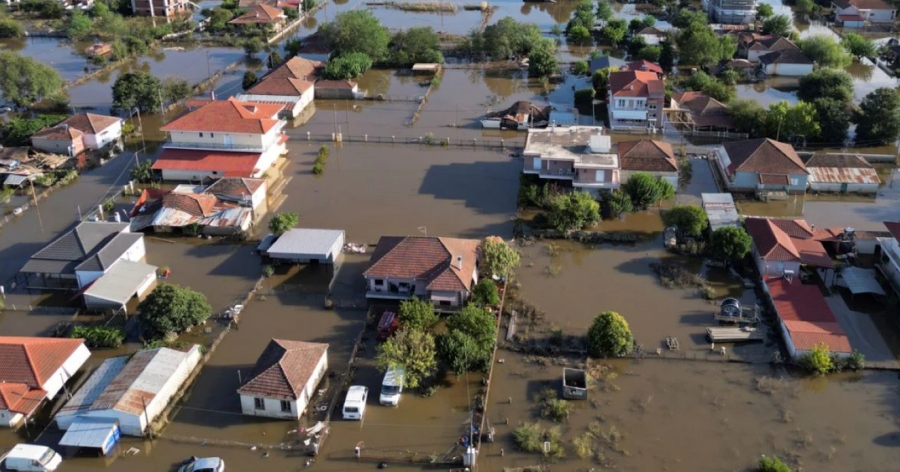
point(208, 68)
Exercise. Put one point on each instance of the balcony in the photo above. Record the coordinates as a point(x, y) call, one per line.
point(169, 144)
point(566, 174)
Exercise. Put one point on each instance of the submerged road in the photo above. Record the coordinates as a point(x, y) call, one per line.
point(24, 235)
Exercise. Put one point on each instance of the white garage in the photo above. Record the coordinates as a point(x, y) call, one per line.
point(119, 285)
point(308, 246)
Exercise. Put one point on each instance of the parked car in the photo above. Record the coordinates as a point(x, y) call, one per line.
point(392, 386)
point(31, 458)
point(355, 403)
point(388, 323)
point(206, 464)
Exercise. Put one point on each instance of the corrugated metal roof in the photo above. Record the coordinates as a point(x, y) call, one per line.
point(82, 400)
point(840, 175)
point(89, 432)
point(121, 282)
point(306, 241)
point(720, 210)
point(15, 180)
point(236, 217)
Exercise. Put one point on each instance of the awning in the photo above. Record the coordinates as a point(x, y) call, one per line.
point(96, 433)
point(860, 281)
point(15, 180)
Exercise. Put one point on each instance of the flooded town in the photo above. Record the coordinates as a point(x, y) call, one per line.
point(561, 235)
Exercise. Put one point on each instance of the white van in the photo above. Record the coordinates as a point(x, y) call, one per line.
point(355, 403)
point(32, 458)
point(392, 386)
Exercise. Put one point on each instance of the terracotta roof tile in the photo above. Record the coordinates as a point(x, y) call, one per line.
point(283, 369)
point(90, 123)
point(765, 156)
point(31, 361)
point(635, 84)
point(280, 86)
point(235, 186)
point(806, 315)
point(774, 179)
point(228, 116)
point(59, 132)
point(771, 242)
point(336, 84)
point(230, 164)
point(260, 14)
point(647, 155)
point(644, 65)
point(429, 259)
point(190, 203)
point(19, 398)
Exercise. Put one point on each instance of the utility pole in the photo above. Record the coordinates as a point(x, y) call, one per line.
point(141, 127)
point(335, 120)
point(37, 207)
point(348, 121)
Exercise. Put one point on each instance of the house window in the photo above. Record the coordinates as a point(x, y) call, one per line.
point(201, 134)
point(259, 404)
point(621, 103)
point(653, 107)
point(795, 181)
point(285, 406)
point(444, 302)
point(379, 282)
point(212, 135)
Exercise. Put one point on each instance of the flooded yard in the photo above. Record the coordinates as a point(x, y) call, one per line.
point(62, 55)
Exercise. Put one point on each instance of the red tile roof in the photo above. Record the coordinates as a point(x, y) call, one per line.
point(283, 369)
point(647, 155)
point(645, 65)
point(17, 397)
point(787, 240)
point(235, 186)
point(428, 259)
point(863, 4)
point(229, 164)
point(228, 116)
point(260, 14)
point(59, 132)
point(297, 68)
point(190, 203)
point(90, 123)
point(806, 315)
point(774, 179)
point(764, 156)
point(31, 361)
point(280, 86)
point(705, 110)
point(336, 84)
point(635, 84)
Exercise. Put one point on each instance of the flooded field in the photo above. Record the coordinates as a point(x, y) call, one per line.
point(711, 416)
point(62, 55)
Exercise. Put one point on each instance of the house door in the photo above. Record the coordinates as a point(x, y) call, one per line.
point(228, 141)
point(536, 163)
point(844, 187)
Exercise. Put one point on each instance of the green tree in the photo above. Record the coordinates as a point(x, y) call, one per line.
point(825, 51)
point(170, 309)
point(689, 219)
point(780, 25)
point(542, 60)
point(411, 349)
point(348, 66)
point(784, 120)
point(582, 17)
point(635, 44)
point(485, 293)
point(650, 53)
point(176, 89)
point(763, 11)
point(136, 90)
point(604, 11)
point(834, 120)
point(461, 353)
point(292, 47)
point(749, 117)
point(143, 172)
point(581, 68)
point(508, 38)
point(711, 86)
point(573, 210)
point(282, 222)
point(357, 31)
point(78, 25)
point(249, 80)
point(666, 55)
point(580, 35)
point(614, 31)
point(252, 45)
point(772, 464)
point(806, 6)
point(609, 335)
point(18, 131)
point(699, 45)
point(497, 257)
point(858, 46)
point(826, 83)
point(291, 14)
point(118, 50)
point(10, 28)
point(818, 360)
point(99, 336)
point(645, 189)
point(684, 17)
point(309, 4)
point(24, 80)
point(417, 314)
point(600, 81)
point(476, 322)
point(729, 244)
point(218, 19)
point(274, 60)
point(878, 117)
point(619, 202)
point(729, 76)
point(418, 44)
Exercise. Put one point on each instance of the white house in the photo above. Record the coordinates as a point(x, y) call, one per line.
point(652, 36)
point(786, 63)
point(284, 380)
point(780, 246)
point(83, 255)
point(855, 13)
point(305, 246)
point(442, 270)
point(33, 370)
point(635, 100)
point(292, 83)
point(131, 391)
point(99, 130)
point(223, 138)
point(580, 154)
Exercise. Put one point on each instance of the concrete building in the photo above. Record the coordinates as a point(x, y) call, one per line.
point(164, 8)
point(292, 83)
point(735, 12)
point(223, 138)
point(781, 246)
point(308, 246)
point(579, 154)
point(888, 255)
point(786, 63)
point(131, 392)
point(441, 270)
point(856, 13)
point(635, 100)
point(33, 370)
point(841, 173)
point(284, 379)
point(761, 165)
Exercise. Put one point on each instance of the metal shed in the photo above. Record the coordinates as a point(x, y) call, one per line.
point(125, 280)
point(720, 210)
point(308, 246)
point(92, 433)
point(842, 173)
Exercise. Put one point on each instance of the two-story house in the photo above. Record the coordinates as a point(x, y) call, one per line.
point(292, 83)
point(441, 270)
point(635, 100)
point(165, 8)
point(739, 12)
point(77, 133)
point(761, 165)
point(223, 138)
point(579, 154)
point(856, 13)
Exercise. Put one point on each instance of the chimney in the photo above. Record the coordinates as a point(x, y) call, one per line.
point(459, 262)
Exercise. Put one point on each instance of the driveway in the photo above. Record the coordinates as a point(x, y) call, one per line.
point(864, 335)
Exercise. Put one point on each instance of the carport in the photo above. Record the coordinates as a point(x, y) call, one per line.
point(308, 246)
point(116, 288)
point(859, 280)
point(92, 433)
